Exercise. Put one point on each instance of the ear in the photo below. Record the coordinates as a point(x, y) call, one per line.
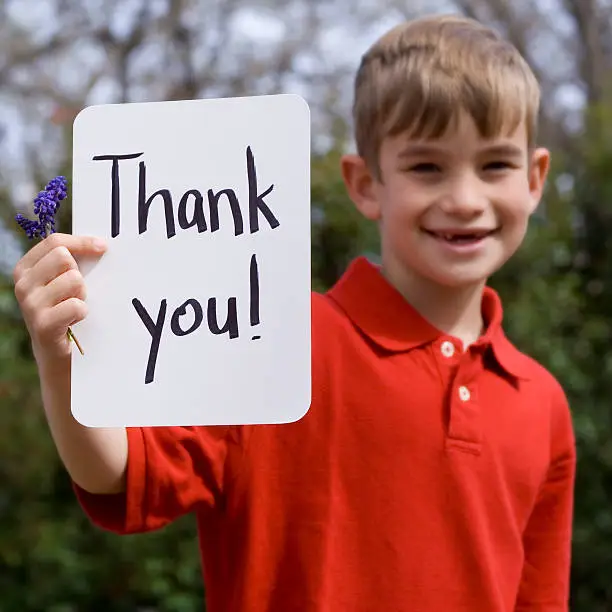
point(360, 184)
point(538, 172)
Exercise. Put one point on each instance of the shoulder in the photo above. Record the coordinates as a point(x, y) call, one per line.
point(325, 311)
point(338, 345)
point(540, 375)
point(542, 392)
point(559, 412)
point(330, 324)
point(538, 381)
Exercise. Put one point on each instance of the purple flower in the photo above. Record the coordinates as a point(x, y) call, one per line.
point(30, 227)
point(46, 205)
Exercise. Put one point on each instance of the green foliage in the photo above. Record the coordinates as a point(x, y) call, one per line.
point(339, 232)
point(558, 300)
point(51, 558)
point(558, 308)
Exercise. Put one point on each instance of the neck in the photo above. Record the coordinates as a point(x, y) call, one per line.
point(456, 311)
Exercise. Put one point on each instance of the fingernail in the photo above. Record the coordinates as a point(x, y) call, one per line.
point(99, 244)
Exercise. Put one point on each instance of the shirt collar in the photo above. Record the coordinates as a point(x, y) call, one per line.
point(386, 318)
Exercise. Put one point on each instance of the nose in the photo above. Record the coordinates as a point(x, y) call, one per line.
point(464, 197)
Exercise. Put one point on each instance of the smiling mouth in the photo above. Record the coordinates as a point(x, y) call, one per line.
point(462, 237)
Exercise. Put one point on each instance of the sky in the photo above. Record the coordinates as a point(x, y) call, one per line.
point(260, 26)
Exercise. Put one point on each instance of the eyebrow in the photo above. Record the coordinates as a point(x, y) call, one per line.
point(503, 150)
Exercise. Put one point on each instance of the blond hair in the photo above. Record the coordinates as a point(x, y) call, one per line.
point(418, 76)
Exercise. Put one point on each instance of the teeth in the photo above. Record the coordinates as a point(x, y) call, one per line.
point(476, 235)
point(460, 236)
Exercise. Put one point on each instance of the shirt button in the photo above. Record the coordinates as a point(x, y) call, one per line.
point(464, 394)
point(448, 348)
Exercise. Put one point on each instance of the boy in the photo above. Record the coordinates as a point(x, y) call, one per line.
point(435, 468)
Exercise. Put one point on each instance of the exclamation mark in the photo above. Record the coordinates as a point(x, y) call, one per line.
point(254, 278)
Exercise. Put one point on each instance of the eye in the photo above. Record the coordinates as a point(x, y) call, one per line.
point(425, 168)
point(498, 165)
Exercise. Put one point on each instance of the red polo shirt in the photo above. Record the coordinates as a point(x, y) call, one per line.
point(423, 478)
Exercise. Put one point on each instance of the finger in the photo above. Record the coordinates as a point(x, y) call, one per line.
point(65, 286)
point(77, 245)
point(52, 323)
point(53, 264)
point(68, 313)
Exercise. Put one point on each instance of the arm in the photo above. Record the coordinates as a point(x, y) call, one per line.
point(547, 538)
point(127, 480)
point(95, 458)
point(50, 291)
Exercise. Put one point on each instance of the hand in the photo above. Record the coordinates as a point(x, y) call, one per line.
point(50, 291)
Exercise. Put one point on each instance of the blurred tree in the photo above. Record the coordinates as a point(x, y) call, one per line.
point(559, 309)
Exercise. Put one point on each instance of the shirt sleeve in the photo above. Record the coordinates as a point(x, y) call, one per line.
point(171, 471)
point(547, 537)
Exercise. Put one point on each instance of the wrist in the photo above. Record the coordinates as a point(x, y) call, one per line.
point(52, 366)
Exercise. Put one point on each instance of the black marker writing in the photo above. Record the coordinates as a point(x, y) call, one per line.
point(256, 200)
point(115, 187)
point(213, 206)
point(175, 326)
point(254, 293)
point(257, 204)
point(144, 203)
point(192, 309)
point(155, 329)
point(198, 211)
point(230, 326)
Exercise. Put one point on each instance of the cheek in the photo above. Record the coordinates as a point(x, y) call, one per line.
point(401, 203)
point(517, 204)
point(515, 222)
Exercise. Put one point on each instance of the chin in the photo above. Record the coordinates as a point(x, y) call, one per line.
point(460, 283)
point(464, 275)
point(460, 279)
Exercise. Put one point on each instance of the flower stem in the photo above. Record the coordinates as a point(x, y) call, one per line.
point(71, 337)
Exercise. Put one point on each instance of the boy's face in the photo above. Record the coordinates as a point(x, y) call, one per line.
point(452, 210)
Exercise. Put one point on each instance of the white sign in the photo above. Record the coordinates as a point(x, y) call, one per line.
point(199, 312)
